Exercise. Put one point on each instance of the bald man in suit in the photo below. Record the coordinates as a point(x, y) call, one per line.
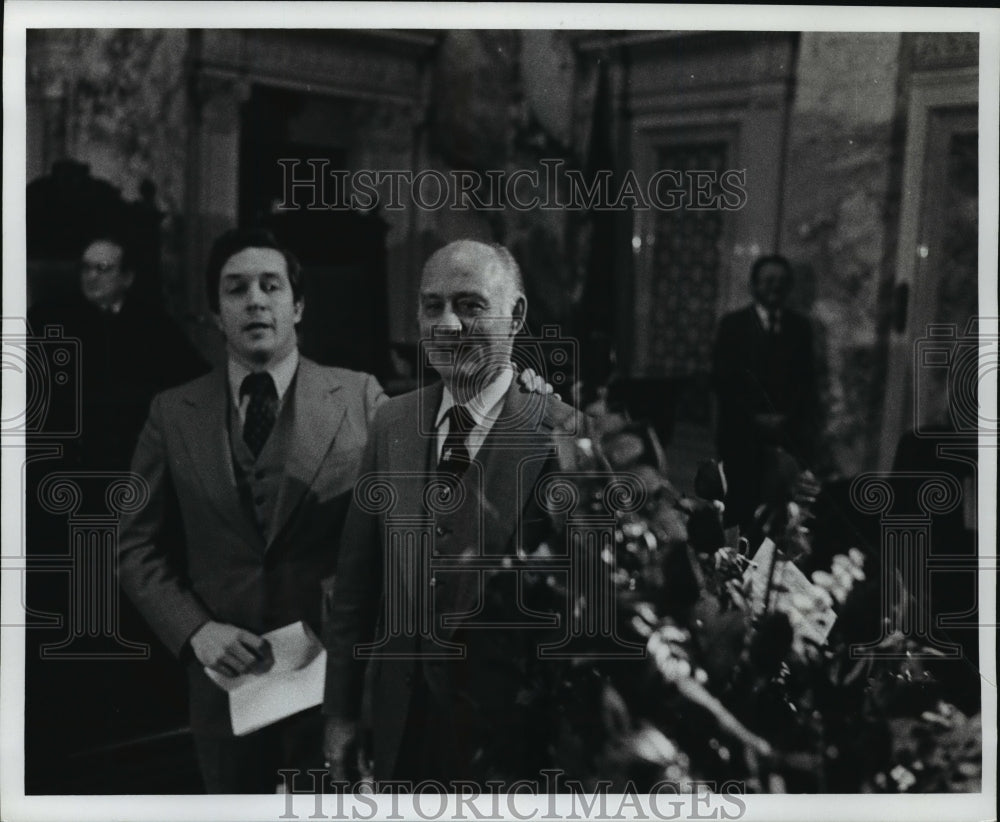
point(487, 446)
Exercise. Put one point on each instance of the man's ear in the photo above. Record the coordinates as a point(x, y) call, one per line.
point(299, 306)
point(518, 313)
point(217, 320)
point(129, 278)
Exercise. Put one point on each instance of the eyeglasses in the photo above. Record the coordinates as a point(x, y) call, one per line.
point(100, 268)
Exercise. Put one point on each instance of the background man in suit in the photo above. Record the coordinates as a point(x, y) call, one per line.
point(130, 351)
point(764, 376)
point(256, 460)
point(487, 444)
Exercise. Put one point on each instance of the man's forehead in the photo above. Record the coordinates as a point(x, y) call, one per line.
point(463, 267)
point(774, 269)
point(102, 249)
point(255, 262)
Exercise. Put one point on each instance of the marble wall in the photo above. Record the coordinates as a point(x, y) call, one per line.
point(840, 220)
point(504, 100)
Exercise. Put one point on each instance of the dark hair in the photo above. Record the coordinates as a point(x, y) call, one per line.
point(233, 242)
point(770, 259)
point(113, 237)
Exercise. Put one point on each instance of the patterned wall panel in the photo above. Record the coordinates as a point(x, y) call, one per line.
point(685, 272)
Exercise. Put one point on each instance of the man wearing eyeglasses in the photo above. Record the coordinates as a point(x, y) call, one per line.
point(130, 351)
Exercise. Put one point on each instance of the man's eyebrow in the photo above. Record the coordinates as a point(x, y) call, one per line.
point(457, 295)
point(242, 275)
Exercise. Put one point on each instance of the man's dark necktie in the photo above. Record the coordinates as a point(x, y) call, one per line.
point(261, 410)
point(455, 457)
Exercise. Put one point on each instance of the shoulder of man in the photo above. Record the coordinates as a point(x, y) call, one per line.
point(735, 319)
point(798, 318)
point(197, 388)
point(562, 417)
point(348, 378)
point(56, 311)
point(408, 405)
point(529, 412)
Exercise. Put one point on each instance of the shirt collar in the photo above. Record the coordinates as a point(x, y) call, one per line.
point(765, 317)
point(485, 407)
point(281, 372)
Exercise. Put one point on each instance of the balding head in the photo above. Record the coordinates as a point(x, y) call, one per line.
point(472, 293)
point(472, 254)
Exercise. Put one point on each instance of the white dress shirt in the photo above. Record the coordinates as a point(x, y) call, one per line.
point(765, 318)
point(485, 407)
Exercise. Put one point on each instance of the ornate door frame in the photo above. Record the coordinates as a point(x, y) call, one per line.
point(931, 95)
point(387, 67)
point(682, 89)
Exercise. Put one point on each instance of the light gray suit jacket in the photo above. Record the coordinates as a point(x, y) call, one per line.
point(217, 565)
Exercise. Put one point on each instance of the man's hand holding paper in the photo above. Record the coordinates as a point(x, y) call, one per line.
point(229, 650)
point(292, 682)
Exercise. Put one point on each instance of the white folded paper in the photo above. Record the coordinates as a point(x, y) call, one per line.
point(788, 584)
point(293, 683)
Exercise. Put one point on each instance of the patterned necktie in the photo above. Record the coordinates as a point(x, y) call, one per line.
point(261, 410)
point(455, 456)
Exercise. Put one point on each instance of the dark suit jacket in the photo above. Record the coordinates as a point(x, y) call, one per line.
point(501, 513)
point(226, 570)
point(753, 373)
point(127, 358)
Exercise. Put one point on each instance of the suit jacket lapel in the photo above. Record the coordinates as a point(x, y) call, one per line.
point(515, 450)
point(319, 412)
point(411, 462)
point(514, 453)
point(411, 450)
point(206, 435)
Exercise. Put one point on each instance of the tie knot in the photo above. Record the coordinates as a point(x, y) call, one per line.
point(460, 420)
point(260, 384)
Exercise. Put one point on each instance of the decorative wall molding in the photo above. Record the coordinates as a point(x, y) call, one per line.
point(936, 50)
point(359, 65)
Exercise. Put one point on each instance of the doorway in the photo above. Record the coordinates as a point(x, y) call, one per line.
point(342, 252)
point(937, 269)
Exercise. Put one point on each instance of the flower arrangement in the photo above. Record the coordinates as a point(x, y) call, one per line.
point(746, 674)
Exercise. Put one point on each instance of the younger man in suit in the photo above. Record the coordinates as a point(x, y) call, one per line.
point(257, 461)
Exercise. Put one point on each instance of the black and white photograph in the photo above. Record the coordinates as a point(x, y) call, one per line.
point(499, 411)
